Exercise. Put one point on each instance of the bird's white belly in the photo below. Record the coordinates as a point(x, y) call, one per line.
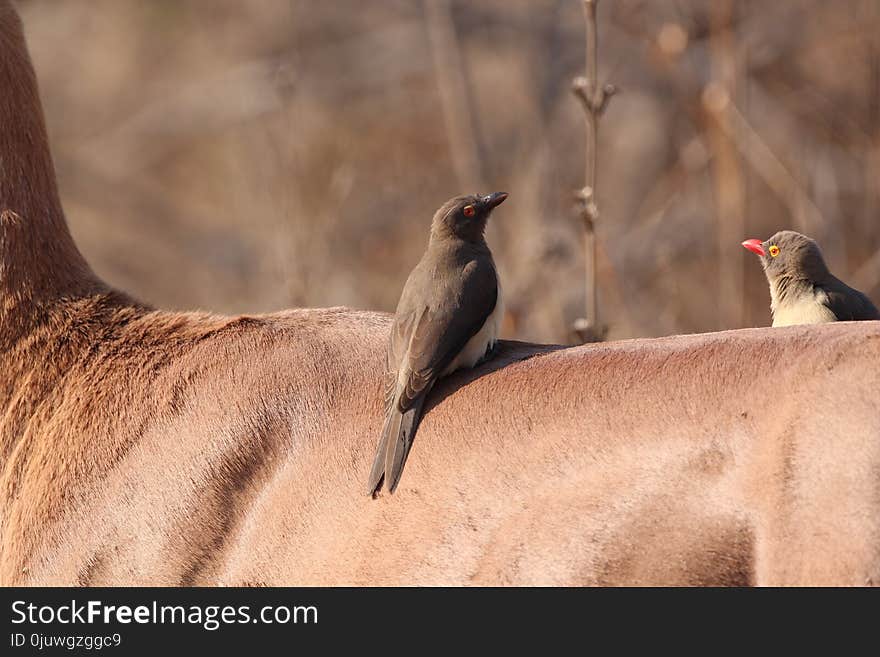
point(804, 312)
point(485, 338)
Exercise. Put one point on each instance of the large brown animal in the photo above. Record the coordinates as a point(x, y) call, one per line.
point(140, 446)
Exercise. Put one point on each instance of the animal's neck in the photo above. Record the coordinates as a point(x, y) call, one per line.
point(474, 234)
point(39, 262)
point(448, 240)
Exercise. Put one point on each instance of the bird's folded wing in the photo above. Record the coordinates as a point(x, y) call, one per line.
point(847, 303)
point(439, 334)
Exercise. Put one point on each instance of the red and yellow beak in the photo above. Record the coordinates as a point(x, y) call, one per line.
point(755, 246)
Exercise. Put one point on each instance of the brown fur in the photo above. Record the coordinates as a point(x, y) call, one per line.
point(147, 447)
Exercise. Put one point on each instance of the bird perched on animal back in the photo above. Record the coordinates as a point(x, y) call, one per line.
point(802, 290)
point(447, 318)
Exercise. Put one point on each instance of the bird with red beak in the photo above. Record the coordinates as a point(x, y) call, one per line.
point(802, 289)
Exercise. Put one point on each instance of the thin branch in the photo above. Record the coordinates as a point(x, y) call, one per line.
point(772, 171)
point(244, 93)
point(454, 95)
point(867, 277)
point(594, 101)
point(728, 175)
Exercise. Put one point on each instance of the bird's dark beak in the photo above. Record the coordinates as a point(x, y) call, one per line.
point(493, 200)
point(755, 246)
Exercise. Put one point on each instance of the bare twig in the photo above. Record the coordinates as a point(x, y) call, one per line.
point(454, 95)
point(772, 171)
point(594, 100)
point(867, 277)
point(244, 93)
point(729, 180)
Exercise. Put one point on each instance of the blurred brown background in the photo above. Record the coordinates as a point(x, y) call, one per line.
point(250, 156)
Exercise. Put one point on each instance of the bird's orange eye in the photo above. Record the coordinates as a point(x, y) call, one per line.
point(469, 211)
point(774, 250)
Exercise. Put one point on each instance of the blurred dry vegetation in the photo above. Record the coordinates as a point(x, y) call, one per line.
point(250, 156)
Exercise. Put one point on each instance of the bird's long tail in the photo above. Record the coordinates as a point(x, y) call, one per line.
point(394, 445)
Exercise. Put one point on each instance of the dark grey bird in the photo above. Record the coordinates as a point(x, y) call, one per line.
point(802, 290)
point(448, 317)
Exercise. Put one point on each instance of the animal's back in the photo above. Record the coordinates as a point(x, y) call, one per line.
point(740, 457)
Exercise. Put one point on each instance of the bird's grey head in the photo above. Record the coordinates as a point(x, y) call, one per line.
point(790, 255)
point(465, 217)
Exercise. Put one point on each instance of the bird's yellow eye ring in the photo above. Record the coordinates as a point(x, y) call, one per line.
point(469, 211)
point(774, 250)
